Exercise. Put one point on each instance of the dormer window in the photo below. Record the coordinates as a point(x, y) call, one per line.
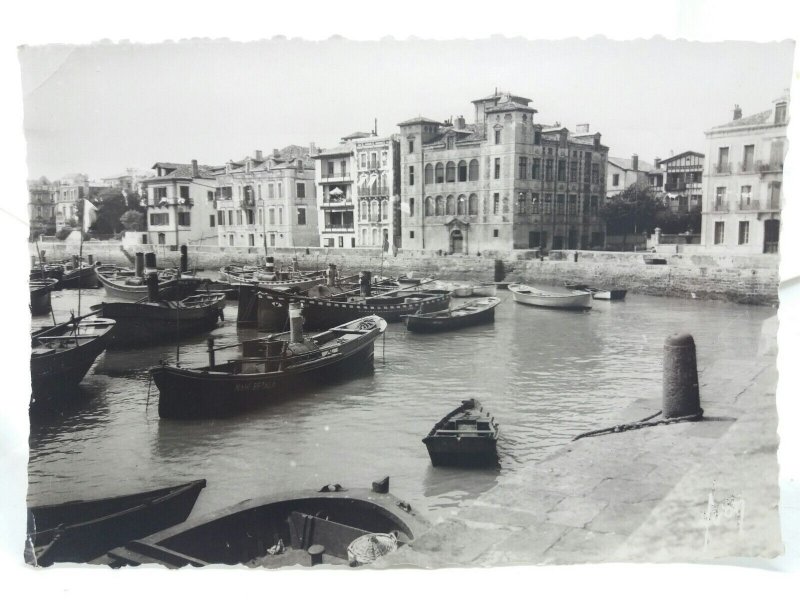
point(780, 113)
point(300, 165)
point(450, 142)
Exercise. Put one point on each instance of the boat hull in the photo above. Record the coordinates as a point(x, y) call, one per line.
point(574, 300)
point(242, 533)
point(83, 530)
point(484, 290)
point(40, 296)
point(146, 323)
point(171, 289)
point(56, 374)
point(271, 308)
point(462, 451)
point(609, 294)
point(84, 277)
point(434, 323)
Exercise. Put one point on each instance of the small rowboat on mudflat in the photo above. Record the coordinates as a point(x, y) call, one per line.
point(475, 312)
point(332, 526)
point(82, 530)
point(569, 300)
point(40, 295)
point(466, 436)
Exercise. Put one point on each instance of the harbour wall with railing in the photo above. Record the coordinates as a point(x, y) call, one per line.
point(747, 279)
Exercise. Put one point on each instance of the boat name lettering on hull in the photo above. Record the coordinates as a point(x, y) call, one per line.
point(254, 386)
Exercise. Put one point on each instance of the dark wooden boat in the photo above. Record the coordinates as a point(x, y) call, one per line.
point(61, 356)
point(598, 293)
point(320, 313)
point(330, 526)
point(270, 369)
point(123, 283)
point(651, 260)
point(404, 280)
point(82, 276)
point(40, 295)
point(238, 275)
point(147, 322)
point(466, 436)
point(475, 312)
point(47, 271)
point(82, 530)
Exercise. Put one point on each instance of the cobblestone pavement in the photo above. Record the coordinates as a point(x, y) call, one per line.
point(695, 491)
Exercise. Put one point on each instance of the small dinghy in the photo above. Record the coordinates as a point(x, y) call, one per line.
point(472, 313)
point(465, 437)
point(598, 293)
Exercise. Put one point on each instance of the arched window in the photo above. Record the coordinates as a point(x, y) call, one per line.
point(385, 209)
point(474, 169)
point(429, 173)
point(429, 207)
point(473, 204)
point(364, 210)
point(384, 184)
point(410, 207)
point(461, 205)
point(451, 206)
point(451, 172)
point(374, 211)
point(462, 170)
point(521, 203)
point(374, 237)
point(439, 206)
point(439, 173)
point(364, 238)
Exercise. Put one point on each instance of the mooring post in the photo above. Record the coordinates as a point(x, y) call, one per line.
point(681, 393)
point(152, 286)
point(184, 258)
point(138, 262)
point(210, 344)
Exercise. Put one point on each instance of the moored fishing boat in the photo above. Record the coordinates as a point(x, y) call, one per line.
point(125, 284)
point(157, 320)
point(569, 300)
point(466, 436)
point(475, 312)
point(269, 370)
point(61, 355)
point(40, 295)
point(80, 276)
point(82, 530)
point(334, 526)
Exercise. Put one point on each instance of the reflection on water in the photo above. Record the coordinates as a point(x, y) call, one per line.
point(545, 376)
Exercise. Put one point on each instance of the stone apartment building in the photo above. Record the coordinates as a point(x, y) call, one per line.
point(683, 181)
point(267, 201)
point(42, 207)
point(180, 204)
point(624, 172)
point(335, 173)
point(743, 181)
point(71, 189)
point(501, 182)
point(377, 191)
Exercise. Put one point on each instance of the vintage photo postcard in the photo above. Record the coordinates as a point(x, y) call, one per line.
point(423, 303)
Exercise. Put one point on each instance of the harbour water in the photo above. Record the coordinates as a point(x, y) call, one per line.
point(545, 375)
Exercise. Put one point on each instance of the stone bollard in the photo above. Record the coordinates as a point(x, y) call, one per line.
point(681, 394)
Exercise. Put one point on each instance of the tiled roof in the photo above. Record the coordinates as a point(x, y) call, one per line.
point(500, 95)
point(762, 118)
point(681, 155)
point(510, 106)
point(416, 120)
point(335, 151)
point(356, 135)
point(627, 163)
point(183, 172)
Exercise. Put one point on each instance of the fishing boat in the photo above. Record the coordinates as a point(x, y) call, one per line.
point(80, 276)
point(598, 293)
point(270, 369)
point(484, 289)
point(466, 436)
point(568, 300)
point(125, 284)
point(61, 355)
point(270, 306)
point(151, 321)
point(330, 526)
point(475, 312)
point(409, 279)
point(459, 290)
point(82, 530)
point(40, 295)
point(46, 271)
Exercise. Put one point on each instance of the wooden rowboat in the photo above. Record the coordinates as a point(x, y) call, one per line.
point(598, 293)
point(472, 313)
point(61, 356)
point(82, 530)
point(466, 436)
point(40, 295)
point(125, 285)
point(329, 526)
point(569, 300)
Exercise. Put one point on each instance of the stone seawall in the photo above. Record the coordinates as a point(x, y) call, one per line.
point(743, 279)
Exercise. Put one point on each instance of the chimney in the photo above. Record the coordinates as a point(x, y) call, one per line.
point(461, 123)
point(276, 153)
point(737, 113)
point(259, 155)
point(635, 161)
point(657, 163)
point(195, 169)
point(582, 128)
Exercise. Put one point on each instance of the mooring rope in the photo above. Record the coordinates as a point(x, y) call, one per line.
point(646, 422)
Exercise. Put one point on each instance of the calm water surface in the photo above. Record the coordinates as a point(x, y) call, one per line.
point(545, 375)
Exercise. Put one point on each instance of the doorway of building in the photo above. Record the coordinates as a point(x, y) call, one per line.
point(456, 242)
point(772, 231)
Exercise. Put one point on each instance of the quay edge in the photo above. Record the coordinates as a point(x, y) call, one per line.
point(744, 279)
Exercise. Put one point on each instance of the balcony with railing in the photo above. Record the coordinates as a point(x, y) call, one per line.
point(331, 201)
point(677, 186)
point(771, 166)
point(335, 176)
point(367, 191)
point(747, 167)
point(723, 168)
point(720, 206)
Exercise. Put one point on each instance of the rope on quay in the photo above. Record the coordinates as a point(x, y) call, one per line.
point(646, 422)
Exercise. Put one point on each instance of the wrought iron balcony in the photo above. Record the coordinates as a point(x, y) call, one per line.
point(680, 186)
point(373, 191)
point(722, 168)
point(341, 175)
point(769, 166)
point(720, 206)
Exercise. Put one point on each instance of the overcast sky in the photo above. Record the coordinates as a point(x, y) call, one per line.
point(101, 108)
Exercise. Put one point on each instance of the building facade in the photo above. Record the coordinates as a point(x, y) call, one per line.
point(71, 189)
point(42, 207)
point(180, 204)
point(743, 181)
point(129, 181)
point(683, 181)
point(267, 201)
point(377, 191)
point(624, 172)
point(500, 183)
point(335, 171)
